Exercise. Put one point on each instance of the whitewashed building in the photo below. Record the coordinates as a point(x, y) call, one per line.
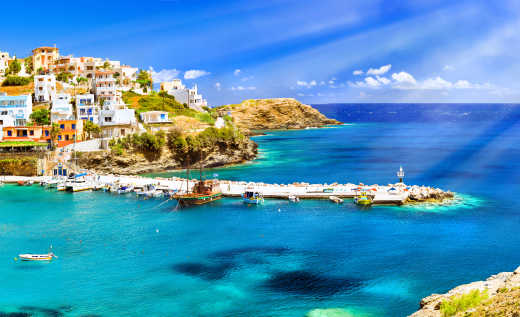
point(44, 88)
point(105, 88)
point(183, 95)
point(62, 108)
point(151, 117)
point(116, 120)
point(86, 108)
point(4, 63)
point(15, 110)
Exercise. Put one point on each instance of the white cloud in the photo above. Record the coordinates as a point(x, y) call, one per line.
point(237, 72)
point(379, 71)
point(164, 74)
point(447, 68)
point(436, 83)
point(322, 83)
point(371, 82)
point(241, 88)
point(305, 84)
point(247, 78)
point(218, 86)
point(195, 73)
point(404, 80)
point(357, 72)
point(383, 80)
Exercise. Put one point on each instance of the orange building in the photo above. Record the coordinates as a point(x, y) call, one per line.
point(68, 130)
point(44, 56)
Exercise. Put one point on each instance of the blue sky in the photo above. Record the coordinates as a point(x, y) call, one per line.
point(315, 51)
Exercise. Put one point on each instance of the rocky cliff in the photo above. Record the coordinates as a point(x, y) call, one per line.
point(277, 113)
point(132, 163)
point(499, 295)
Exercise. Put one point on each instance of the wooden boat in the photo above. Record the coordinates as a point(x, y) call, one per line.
point(37, 257)
point(252, 197)
point(25, 183)
point(204, 191)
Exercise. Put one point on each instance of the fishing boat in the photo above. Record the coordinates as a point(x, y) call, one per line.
point(124, 189)
point(77, 183)
point(25, 183)
point(363, 199)
point(336, 199)
point(251, 196)
point(37, 257)
point(204, 191)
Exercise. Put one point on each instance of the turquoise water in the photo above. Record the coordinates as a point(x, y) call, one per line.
point(122, 257)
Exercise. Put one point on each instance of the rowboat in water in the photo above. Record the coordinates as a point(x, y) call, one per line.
point(37, 257)
point(252, 197)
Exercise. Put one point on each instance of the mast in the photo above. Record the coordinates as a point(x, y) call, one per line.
point(200, 166)
point(188, 175)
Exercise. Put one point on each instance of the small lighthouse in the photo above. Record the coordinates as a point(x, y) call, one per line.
point(400, 174)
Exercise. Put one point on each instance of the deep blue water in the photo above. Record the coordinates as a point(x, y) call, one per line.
point(123, 257)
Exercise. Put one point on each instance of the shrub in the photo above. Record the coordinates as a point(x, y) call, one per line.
point(457, 304)
point(16, 81)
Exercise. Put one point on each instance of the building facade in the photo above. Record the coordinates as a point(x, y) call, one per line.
point(104, 87)
point(116, 120)
point(62, 108)
point(151, 117)
point(183, 95)
point(15, 109)
point(44, 57)
point(25, 133)
point(86, 108)
point(44, 88)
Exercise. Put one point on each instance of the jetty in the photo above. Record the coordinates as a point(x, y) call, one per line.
point(391, 194)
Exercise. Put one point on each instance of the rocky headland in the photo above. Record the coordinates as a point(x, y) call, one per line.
point(274, 114)
point(498, 295)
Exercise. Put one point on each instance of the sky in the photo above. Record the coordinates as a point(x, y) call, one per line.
point(326, 51)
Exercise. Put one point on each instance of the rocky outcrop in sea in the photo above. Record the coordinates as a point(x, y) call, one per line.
point(502, 289)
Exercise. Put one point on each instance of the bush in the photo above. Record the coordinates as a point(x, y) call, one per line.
point(461, 303)
point(41, 116)
point(16, 81)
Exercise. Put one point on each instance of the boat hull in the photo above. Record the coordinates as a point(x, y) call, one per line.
point(195, 200)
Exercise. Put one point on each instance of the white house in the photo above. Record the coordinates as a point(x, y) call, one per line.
point(61, 108)
point(44, 88)
point(86, 108)
point(15, 110)
point(104, 87)
point(4, 62)
point(116, 120)
point(150, 117)
point(184, 95)
point(220, 123)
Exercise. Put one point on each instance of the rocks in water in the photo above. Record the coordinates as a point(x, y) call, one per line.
point(428, 194)
point(276, 113)
point(329, 312)
point(495, 284)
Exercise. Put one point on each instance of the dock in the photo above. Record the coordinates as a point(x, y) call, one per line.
point(391, 194)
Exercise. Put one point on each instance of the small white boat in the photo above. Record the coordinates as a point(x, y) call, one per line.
point(294, 198)
point(78, 183)
point(124, 189)
point(37, 257)
point(336, 199)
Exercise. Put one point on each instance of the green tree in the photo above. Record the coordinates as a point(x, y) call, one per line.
point(91, 129)
point(80, 80)
point(29, 68)
point(41, 116)
point(54, 132)
point(14, 68)
point(144, 79)
point(64, 77)
point(106, 65)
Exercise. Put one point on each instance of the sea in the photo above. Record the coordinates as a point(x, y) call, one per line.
point(120, 256)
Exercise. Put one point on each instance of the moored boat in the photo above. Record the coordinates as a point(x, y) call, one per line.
point(336, 199)
point(37, 257)
point(252, 197)
point(363, 199)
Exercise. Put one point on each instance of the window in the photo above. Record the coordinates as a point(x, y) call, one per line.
point(31, 132)
point(9, 133)
point(59, 137)
point(66, 137)
point(46, 132)
point(108, 119)
point(123, 132)
point(62, 126)
point(73, 126)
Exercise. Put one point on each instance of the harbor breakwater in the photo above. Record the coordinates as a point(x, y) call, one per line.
point(391, 194)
